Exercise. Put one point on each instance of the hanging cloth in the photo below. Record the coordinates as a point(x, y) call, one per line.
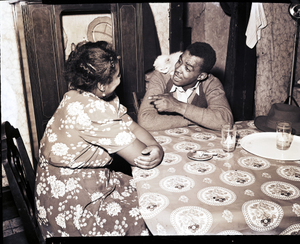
point(257, 22)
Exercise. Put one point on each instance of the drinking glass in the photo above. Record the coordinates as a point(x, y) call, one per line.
point(283, 135)
point(228, 137)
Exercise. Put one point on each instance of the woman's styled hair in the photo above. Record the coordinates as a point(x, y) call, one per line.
point(206, 52)
point(90, 63)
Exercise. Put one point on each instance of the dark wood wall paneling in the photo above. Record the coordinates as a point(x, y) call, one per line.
point(42, 60)
point(130, 19)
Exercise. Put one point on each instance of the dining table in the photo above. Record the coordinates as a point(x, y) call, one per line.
point(244, 192)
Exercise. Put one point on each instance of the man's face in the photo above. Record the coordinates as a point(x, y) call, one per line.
point(187, 70)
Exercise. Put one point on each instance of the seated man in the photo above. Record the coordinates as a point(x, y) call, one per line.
point(190, 96)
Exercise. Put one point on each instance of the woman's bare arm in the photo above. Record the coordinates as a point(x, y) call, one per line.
point(145, 151)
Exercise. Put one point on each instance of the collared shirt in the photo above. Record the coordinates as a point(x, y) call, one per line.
point(181, 95)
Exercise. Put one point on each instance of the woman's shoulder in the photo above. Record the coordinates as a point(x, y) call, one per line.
point(78, 99)
point(77, 94)
point(90, 100)
point(72, 93)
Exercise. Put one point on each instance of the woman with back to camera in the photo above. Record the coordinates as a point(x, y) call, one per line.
point(76, 194)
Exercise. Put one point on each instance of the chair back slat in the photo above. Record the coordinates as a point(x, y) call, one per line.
point(21, 178)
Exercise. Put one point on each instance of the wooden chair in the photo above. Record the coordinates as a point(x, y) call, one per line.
point(21, 179)
point(137, 100)
point(135, 103)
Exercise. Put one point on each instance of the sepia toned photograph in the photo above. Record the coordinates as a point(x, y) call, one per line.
point(149, 121)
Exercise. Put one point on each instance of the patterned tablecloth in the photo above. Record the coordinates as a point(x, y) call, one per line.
point(231, 194)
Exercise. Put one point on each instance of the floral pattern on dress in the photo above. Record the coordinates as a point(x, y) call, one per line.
point(76, 195)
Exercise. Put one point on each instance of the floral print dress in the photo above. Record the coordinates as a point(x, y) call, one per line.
point(76, 195)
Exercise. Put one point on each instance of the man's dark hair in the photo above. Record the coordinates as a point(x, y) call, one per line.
point(204, 51)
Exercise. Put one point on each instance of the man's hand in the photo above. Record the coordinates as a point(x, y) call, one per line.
point(167, 103)
point(153, 156)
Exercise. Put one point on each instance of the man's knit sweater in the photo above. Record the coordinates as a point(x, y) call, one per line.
point(209, 109)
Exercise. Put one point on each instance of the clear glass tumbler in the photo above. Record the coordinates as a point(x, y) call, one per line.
point(283, 135)
point(228, 137)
